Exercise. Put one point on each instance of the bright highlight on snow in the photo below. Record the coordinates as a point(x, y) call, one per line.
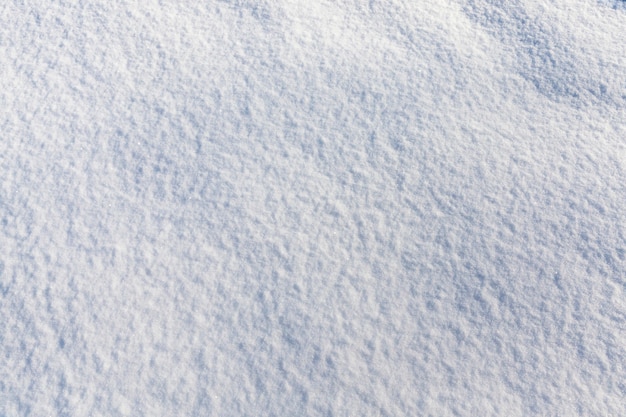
point(313, 208)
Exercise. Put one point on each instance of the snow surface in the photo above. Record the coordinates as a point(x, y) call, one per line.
point(312, 208)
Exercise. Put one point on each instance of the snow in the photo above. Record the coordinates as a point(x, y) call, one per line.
point(296, 208)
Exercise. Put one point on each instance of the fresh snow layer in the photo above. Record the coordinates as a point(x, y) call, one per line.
point(312, 208)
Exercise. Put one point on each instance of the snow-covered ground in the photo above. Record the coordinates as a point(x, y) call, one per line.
point(312, 208)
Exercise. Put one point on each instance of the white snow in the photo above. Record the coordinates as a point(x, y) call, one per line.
point(299, 208)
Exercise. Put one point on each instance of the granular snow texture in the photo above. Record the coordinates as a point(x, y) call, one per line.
point(312, 208)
